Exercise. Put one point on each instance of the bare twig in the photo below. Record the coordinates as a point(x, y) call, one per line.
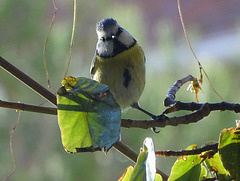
point(171, 94)
point(28, 81)
point(202, 110)
point(11, 148)
point(27, 107)
point(213, 147)
point(46, 42)
point(130, 154)
point(195, 56)
point(73, 34)
point(163, 121)
point(193, 106)
point(175, 105)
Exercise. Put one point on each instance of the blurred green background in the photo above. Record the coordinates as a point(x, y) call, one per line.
point(214, 31)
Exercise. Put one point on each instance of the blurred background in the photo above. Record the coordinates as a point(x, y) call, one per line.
point(214, 30)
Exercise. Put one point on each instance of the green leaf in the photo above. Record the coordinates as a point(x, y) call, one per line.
point(145, 168)
point(229, 150)
point(88, 116)
point(204, 173)
point(158, 177)
point(127, 174)
point(216, 167)
point(186, 167)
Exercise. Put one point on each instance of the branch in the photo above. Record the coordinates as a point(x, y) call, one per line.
point(46, 43)
point(177, 105)
point(213, 147)
point(193, 106)
point(201, 110)
point(195, 56)
point(171, 94)
point(130, 154)
point(26, 107)
point(127, 123)
point(163, 121)
point(18, 74)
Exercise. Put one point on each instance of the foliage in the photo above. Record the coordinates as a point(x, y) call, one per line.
point(145, 168)
point(79, 98)
point(215, 166)
point(88, 116)
point(199, 166)
point(186, 167)
point(229, 150)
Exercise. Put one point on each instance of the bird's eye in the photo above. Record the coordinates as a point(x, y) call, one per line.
point(113, 36)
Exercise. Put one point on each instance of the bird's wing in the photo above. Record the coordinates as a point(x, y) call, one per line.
point(92, 68)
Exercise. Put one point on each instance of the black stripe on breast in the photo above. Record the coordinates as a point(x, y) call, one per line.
point(126, 77)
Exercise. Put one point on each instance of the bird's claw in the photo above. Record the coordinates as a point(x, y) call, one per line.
point(155, 130)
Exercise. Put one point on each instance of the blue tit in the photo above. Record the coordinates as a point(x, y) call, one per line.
point(119, 62)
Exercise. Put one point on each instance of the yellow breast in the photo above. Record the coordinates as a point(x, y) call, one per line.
point(123, 73)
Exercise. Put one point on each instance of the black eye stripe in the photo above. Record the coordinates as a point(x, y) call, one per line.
point(120, 30)
point(106, 39)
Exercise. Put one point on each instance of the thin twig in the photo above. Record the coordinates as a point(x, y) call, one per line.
point(52, 98)
point(202, 110)
point(11, 148)
point(46, 43)
point(195, 56)
point(27, 107)
point(73, 34)
point(171, 94)
point(193, 106)
point(175, 105)
point(162, 121)
point(28, 81)
point(188, 152)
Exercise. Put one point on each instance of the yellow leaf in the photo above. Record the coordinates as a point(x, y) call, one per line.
point(195, 87)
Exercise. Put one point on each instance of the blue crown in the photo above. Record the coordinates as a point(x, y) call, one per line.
point(106, 24)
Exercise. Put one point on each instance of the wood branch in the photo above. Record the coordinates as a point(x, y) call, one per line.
point(129, 153)
point(28, 81)
point(171, 94)
point(175, 105)
point(213, 147)
point(193, 106)
point(27, 107)
point(163, 121)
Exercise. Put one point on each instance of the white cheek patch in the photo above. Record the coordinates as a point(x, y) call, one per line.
point(105, 48)
point(126, 38)
point(101, 34)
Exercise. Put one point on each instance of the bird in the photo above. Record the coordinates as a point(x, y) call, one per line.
point(119, 62)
